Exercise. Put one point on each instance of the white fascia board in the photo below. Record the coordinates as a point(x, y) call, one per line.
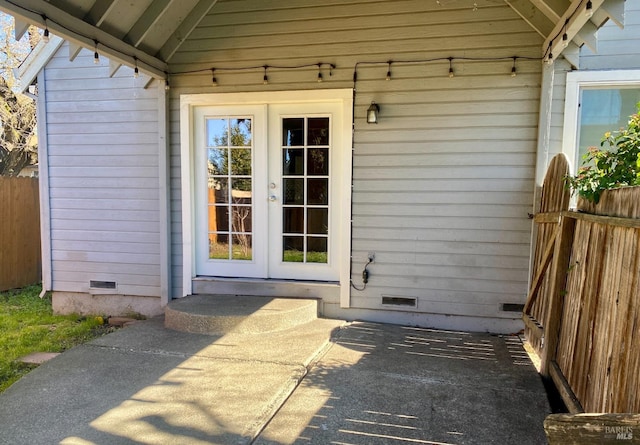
point(36, 61)
point(77, 31)
point(571, 23)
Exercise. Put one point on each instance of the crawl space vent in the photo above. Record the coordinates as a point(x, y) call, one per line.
point(94, 284)
point(512, 307)
point(389, 300)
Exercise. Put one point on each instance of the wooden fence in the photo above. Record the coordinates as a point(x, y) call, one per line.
point(583, 311)
point(20, 260)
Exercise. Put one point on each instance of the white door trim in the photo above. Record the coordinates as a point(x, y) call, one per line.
point(190, 101)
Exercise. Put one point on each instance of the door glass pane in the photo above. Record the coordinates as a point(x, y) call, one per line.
point(318, 162)
point(305, 179)
point(293, 220)
point(293, 161)
point(241, 219)
point(293, 249)
point(217, 132)
point(317, 250)
point(294, 191)
point(241, 192)
point(318, 131)
point(218, 246)
point(217, 164)
point(293, 132)
point(603, 110)
point(240, 132)
point(241, 161)
point(230, 192)
point(318, 221)
point(218, 190)
point(241, 247)
point(318, 193)
point(219, 218)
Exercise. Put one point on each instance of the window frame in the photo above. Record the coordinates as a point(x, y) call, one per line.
point(576, 82)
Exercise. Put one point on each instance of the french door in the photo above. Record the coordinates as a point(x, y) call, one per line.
point(267, 190)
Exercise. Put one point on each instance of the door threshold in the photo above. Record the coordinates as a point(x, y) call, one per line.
point(327, 291)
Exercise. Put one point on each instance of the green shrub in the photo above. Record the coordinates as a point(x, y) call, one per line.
point(615, 164)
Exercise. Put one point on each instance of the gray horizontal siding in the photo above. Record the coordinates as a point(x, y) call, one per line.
point(104, 181)
point(617, 48)
point(443, 184)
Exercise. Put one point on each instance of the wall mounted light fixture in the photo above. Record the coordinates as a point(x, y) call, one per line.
point(372, 113)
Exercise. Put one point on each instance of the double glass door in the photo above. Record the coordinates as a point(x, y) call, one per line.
point(264, 180)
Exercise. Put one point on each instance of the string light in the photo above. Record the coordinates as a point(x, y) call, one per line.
point(167, 87)
point(389, 70)
point(550, 54)
point(565, 36)
point(588, 10)
point(136, 72)
point(45, 33)
point(214, 81)
point(96, 56)
point(265, 79)
point(513, 68)
point(319, 73)
point(451, 68)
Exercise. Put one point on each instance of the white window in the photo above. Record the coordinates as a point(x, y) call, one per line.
point(597, 102)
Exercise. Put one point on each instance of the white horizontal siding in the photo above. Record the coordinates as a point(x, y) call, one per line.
point(104, 177)
point(443, 184)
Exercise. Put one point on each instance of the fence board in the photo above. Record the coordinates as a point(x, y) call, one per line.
point(596, 362)
point(554, 200)
point(20, 260)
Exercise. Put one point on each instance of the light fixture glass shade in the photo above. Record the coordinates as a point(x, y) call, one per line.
point(372, 113)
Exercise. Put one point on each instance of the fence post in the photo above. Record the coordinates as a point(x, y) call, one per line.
point(559, 271)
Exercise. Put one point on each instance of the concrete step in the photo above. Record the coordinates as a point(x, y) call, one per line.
point(221, 314)
point(329, 292)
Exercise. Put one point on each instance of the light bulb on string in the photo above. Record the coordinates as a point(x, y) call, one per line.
point(451, 74)
point(588, 10)
point(167, 86)
point(136, 72)
point(319, 73)
point(45, 33)
point(513, 68)
point(96, 56)
point(265, 79)
point(389, 71)
point(214, 81)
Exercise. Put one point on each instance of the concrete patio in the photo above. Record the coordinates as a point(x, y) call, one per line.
point(320, 382)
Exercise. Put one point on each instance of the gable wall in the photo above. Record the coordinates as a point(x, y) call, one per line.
point(617, 49)
point(443, 184)
point(104, 183)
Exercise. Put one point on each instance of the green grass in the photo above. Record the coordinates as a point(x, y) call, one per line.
point(296, 256)
point(27, 325)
